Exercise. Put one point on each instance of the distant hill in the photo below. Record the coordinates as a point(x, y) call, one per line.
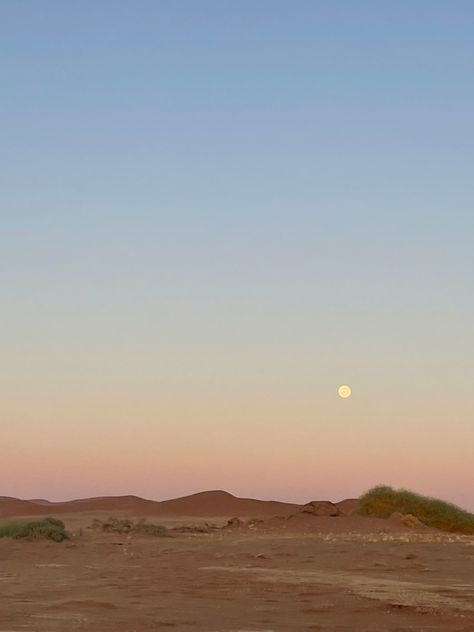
point(16, 507)
point(41, 501)
point(208, 503)
point(220, 503)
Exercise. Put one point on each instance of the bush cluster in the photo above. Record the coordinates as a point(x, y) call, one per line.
point(47, 528)
point(382, 501)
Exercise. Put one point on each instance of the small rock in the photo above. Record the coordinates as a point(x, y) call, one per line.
point(234, 522)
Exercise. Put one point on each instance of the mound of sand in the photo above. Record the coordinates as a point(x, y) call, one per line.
point(348, 506)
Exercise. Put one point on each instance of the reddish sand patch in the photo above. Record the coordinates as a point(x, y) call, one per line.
point(271, 576)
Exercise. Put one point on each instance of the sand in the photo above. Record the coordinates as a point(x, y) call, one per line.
point(287, 573)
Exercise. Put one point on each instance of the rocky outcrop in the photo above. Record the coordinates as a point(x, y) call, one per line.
point(321, 508)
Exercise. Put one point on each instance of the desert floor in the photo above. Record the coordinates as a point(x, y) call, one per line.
point(326, 574)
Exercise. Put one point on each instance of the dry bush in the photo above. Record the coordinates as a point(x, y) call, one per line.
point(125, 526)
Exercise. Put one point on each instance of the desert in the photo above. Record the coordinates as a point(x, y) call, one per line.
point(236, 293)
point(226, 564)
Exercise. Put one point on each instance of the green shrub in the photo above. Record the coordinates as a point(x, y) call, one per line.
point(48, 528)
point(382, 501)
point(11, 529)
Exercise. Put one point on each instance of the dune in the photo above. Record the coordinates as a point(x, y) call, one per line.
point(209, 503)
point(15, 507)
point(202, 504)
point(108, 503)
point(41, 501)
point(221, 503)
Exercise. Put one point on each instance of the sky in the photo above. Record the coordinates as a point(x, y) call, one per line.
point(212, 215)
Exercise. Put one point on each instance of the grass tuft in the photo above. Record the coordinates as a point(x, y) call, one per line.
point(123, 526)
point(382, 501)
point(47, 528)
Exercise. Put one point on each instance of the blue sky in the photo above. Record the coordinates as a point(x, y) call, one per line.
point(215, 109)
point(242, 197)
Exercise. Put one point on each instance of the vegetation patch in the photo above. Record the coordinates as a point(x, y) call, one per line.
point(47, 528)
point(124, 526)
point(382, 501)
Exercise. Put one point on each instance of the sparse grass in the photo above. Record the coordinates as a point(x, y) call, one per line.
point(47, 528)
point(382, 501)
point(113, 525)
point(117, 525)
point(147, 528)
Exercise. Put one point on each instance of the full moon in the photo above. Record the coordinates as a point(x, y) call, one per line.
point(344, 391)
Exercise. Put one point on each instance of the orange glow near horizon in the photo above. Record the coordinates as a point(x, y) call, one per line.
point(292, 447)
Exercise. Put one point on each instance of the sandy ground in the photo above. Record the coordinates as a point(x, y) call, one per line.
point(339, 574)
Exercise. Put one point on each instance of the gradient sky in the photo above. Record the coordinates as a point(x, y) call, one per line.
point(212, 214)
